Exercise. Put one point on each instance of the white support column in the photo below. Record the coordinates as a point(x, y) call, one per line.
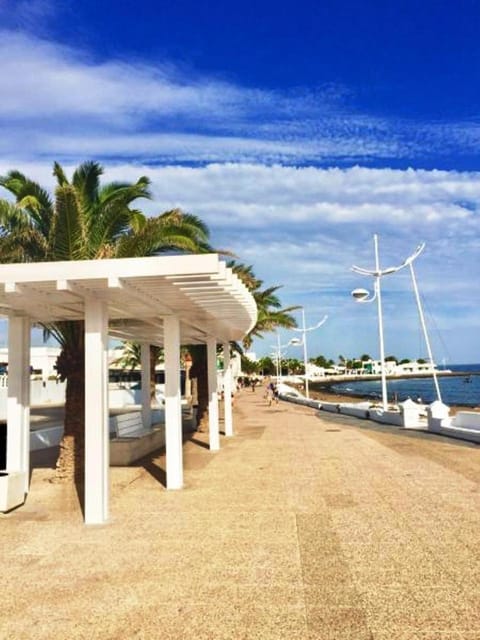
point(146, 399)
point(227, 390)
point(214, 433)
point(173, 404)
point(18, 398)
point(97, 443)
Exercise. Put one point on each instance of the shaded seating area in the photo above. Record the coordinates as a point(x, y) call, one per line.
point(164, 301)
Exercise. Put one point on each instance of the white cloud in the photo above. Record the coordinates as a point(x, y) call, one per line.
point(304, 228)
point(68, 104)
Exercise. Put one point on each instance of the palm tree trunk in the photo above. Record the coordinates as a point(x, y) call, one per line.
point(154, 351)
point(71, 367)
point(71, 460)
point(199, 372)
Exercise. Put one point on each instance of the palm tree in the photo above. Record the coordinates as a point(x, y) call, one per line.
point(270, 316)
point(130, 355)
point(131, 358)
point(85, 221)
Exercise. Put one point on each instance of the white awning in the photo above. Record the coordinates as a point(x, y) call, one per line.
point(206, 296)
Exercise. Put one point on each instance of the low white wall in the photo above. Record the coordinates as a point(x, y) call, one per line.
point(467, 420)
point(314, 404)
point(41, 392)
point(330, 406)
point(446, 428)
point(47, 392)
point(387, 417)
point(357, 410)
point(118, 398)
point(464, 425)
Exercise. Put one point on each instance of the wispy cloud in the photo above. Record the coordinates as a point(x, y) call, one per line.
point(70, 104)
point(28, 15)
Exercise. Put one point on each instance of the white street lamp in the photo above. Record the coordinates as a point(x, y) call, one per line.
point(304, 331)
point(278, 353)
point(362, 295)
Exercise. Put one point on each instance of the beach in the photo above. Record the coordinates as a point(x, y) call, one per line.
point(303, 526)
point(327, 394)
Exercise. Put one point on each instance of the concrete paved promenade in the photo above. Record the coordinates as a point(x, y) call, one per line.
point(303, 526)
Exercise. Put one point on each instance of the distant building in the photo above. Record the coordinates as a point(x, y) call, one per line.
point(43, 361)
point(374, 367)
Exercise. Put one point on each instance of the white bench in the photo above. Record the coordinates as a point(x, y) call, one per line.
point(129, 425)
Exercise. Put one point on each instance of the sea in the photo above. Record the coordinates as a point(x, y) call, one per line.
point(455, 390)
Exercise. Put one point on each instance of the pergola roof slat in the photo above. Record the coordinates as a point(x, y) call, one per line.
point(138, 292)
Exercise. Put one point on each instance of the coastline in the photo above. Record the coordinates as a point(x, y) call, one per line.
point(324, 392)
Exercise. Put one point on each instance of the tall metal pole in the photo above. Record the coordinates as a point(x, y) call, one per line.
point(304, 329)
point(425, 333)
point(380, 324)
point(278, 357)
point(361, 295)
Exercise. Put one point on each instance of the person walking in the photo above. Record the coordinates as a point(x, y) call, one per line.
point(272, 393)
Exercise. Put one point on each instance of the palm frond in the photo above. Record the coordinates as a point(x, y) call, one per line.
point(39, 203)
point(66, 239)
point(86, 180)
point(59, 173)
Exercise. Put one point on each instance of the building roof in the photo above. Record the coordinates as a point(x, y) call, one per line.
point(208, 298)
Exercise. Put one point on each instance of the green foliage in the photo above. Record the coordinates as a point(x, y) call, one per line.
point(266, 366)
point(294, 366)
point(322, 361)
point(270, 315)
point(87, 220)
point(249, 366)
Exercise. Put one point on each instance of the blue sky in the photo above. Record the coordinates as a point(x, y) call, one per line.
point(295, 130)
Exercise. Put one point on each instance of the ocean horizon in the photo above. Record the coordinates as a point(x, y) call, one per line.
point(455, 390)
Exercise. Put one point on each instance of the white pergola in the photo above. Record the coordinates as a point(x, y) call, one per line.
point(166, 301)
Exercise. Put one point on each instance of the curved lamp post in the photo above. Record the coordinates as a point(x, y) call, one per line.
point(278, 353)
point(362, 295)
point(303, 342)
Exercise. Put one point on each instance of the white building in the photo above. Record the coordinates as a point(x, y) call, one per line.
point(374, 367)
point(42, 360)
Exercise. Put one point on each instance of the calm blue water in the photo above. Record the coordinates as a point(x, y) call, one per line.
point(454, 390)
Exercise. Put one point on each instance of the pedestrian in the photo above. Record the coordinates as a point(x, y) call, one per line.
point(276, 394)
point(272, 392)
